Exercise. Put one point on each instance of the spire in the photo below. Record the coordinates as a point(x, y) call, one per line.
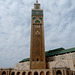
point(36, 1)
point(36, 5)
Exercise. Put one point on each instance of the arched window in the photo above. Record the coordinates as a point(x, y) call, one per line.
point(48, 73)
point(36, 73)
point(18, 73)
point(41, 60)
point(42, 73)
point(3, 73)
point(58, 72)
point(33, 60)
point(29, 73)
point(13, 73)
point(23, 73)
point(37, 59)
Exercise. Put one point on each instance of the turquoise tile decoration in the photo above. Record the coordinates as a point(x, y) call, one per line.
point(37, 21)
point(37, 12)
point(34, 18)
point(40, 18)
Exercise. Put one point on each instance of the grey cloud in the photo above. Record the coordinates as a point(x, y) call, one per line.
point(60, 24)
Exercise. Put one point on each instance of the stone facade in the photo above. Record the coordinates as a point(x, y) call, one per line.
point(22, 66)
point(66, 60)
point(25, 72)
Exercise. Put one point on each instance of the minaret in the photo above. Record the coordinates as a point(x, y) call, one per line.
point(37, 52)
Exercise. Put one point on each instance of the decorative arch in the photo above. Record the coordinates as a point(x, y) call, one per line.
point(30, 73)
point(42, 73)
point(13, 73)
point(34, 18)
point(3, 73)
point(61, 63)
point(18, 73)
point(35, 73)
point(23, 73)
point(58, 72)
point(47, 73)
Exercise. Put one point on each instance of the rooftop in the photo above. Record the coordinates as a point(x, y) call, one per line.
point(54, 52)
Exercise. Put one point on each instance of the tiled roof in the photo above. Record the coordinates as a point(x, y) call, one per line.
point(24, 60)
point(54, 52)
point(59, 51)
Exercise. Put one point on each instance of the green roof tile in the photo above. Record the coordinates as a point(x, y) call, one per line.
point(27, 59)
point(58, 51)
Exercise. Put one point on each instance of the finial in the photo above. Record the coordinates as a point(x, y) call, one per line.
point(36, 1)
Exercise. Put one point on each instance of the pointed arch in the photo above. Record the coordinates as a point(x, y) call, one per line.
point(3, 73)
point(58, 72)
point(18, 73)
point(13, 73)
point(30, 73)
point(47, 73)
point(35, 73)
point(42, 73)
point(23, 73)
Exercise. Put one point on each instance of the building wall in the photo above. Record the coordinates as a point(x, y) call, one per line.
point(64, 63)
point(26, 72)
point(64, 60)
point(22, 66)
point(64, 71)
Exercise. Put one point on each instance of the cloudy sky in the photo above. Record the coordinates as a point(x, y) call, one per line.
point(15, 27)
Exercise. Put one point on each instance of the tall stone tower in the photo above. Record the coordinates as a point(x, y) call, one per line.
point(37, 52)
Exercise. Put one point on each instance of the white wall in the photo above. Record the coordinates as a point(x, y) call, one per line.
point(65, 60)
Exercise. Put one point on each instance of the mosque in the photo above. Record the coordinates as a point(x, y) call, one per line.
point(52, 62)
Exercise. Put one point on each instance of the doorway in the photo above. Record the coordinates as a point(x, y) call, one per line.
point(58, 72)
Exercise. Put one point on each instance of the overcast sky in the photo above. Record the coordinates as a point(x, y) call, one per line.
point(15, 27)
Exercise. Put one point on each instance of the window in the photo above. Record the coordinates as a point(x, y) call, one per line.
point(33, 60)
point(37, 59)
point(41, 60)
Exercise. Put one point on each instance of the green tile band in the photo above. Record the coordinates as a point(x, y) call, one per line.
point(37, 12)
